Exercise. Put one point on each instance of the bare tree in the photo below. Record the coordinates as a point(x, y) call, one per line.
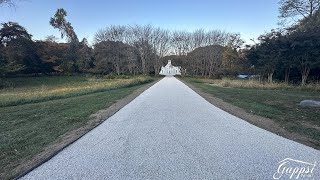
point(293, 8)
point(141, 39)
point(199, 38)
point(111, 33)
point(181, 42)
point(112, 56)
point(217, 37)
point(207, 60)
point(161, 44)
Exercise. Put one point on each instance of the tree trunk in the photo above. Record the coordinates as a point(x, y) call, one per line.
point(286, 75)
point(156, 69)
point(211, 68)
point(118, 70)
point(270, 77)
point(197, 70)
point(143, 64)
point(305, 70)
point(261, 77)
point(303, 80)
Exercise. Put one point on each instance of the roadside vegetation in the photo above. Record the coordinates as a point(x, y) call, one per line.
point(279, 102)
point(37, 89)
point(36, 112)
point(252, 83)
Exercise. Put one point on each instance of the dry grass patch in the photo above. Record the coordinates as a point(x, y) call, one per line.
point(252, 83)
point(49, 88)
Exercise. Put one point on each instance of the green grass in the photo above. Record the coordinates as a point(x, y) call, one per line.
point(27, 128)
point(38, 89)
point(280, 105)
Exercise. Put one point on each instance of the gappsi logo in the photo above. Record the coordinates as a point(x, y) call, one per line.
point(294, 169)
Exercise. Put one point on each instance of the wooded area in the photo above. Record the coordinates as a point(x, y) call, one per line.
point(290, 53)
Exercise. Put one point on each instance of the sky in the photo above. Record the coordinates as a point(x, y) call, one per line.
point(250, 18)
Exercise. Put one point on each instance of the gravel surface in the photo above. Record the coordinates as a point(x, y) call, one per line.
point(170, 132)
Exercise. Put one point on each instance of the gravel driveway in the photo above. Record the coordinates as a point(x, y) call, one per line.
point(170, 132)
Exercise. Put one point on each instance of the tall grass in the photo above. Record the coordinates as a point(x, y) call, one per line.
point(252, 83)
point(49, 90)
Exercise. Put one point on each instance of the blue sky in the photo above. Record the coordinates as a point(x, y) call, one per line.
point(250, 18)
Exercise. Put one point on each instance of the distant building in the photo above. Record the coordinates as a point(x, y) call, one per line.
point(170, 70)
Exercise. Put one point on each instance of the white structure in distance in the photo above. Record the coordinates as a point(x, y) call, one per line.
point(170, 70)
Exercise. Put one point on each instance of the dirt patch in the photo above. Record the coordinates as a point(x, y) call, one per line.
point(262, 122)
point(70, 137)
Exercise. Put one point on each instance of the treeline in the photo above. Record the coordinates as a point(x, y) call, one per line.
point(291, 53)
point(119, 50)
point(144, 49)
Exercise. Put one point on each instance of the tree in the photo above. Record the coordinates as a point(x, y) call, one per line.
point(181, 42)
point(69, 64)
point(19, 50)
point(52, 55)
point(305, 50)
point(234, 41)
point(293, 8)
point(22, 53)
point(111, 56)
point(303, 41)
point(112, 33)
point(286, 58)
point(265, 56)
point(198, 39)
point(85, 61)
point(230, 61)
point(141, 40)
point(5, 66)
point(58, 21)
point(307, 24)
point(217, 37)
point(11, 31)
point(160, 42)
point(208, 60)
point(253, 55)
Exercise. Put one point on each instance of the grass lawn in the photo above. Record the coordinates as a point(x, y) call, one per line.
point(38, 89)
point(28, 126)
point(280, 105)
